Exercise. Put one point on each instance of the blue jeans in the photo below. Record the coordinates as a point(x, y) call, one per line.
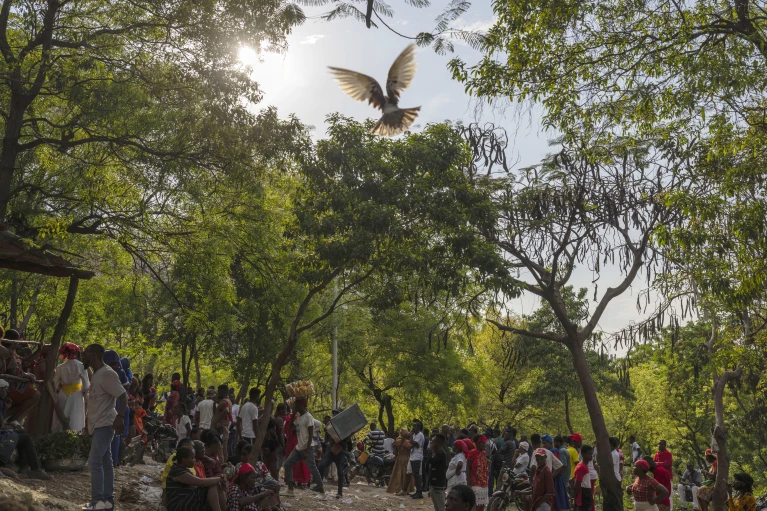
point(296, 456)
point(100, 464)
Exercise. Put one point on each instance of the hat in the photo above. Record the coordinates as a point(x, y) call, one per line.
point(245, 469)
point(540, 452)
point(643, 465)
point(482, 439)
point(462, 445)
point(576, 437)
point(524, 446)
point(547, 438)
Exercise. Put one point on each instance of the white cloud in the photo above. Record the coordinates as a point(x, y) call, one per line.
point(402, 22)
point(474, 26)
point(439, 100)
point(312, 39)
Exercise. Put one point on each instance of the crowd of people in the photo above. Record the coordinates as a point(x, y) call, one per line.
point(217, 466)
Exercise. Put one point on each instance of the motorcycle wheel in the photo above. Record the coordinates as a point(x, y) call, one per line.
point(498, 503)
point(520, 502)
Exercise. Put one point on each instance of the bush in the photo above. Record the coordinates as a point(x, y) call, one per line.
point(62, 446)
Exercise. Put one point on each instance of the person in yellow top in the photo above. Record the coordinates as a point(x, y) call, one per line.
point(573, 455)
point(184, 442)
point(744, 499)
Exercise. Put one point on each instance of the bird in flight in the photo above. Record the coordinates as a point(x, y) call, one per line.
point(362, 87)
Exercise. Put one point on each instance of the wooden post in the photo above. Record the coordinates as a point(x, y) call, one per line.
point(43, 425)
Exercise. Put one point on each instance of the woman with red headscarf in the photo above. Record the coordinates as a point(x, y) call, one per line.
point(71, 384)
point(456, 470)
point(244, 493)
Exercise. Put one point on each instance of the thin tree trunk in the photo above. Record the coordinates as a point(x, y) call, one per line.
point(197, 369)
point(30, 311)
point(389, 414)
point(719, 441)
point(567, 414)
point(14, 319)
point(43, 425)
point(612, 493)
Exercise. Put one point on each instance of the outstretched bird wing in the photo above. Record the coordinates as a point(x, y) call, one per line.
point(401, 73)
point(360, 87)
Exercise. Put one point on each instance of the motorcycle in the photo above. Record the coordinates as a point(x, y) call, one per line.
point(515, 491)
point(159, 438)
point(374, 469)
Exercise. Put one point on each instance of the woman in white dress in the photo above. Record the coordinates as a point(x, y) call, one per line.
point(456, 470)
point(71, 384)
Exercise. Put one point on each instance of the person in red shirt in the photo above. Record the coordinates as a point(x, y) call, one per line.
point(663, 457)
point(663, 476)
point(543, 484)
point(581, 490)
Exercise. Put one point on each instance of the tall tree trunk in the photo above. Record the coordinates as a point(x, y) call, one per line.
point(612, 493)
point(389, 414)
point(14, 319)
point(719, 440)
point(10, 151)
point(197, 369)
point(567, 414)
point(43, 425)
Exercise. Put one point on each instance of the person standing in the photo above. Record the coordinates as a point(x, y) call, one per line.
point(690, 479)
point(234, 436)
point(336, 454)
point(582, 494)
point(279, 430)
point(389, 444)
point(561, 479)
point(247, 420)
point(222, 419)
point(743, 500)
point(416, 458)
point(647, 492)
point(543, 483)
point(205, 408)
point(456, 470)
point(400, 482)
point(573, 455)
point(302, 423)
point(71, 384)
point(663, 476)
point(636, 449)
point(478, 472)
point(438, 471)
point(616, 456)
point(663, 457)
point(106, 403)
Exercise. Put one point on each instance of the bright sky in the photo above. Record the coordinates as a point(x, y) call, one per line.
point(298, 82)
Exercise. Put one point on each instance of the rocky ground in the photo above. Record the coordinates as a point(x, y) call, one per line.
point(137, 488)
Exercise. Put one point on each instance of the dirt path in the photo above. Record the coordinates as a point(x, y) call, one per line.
point(68, 491)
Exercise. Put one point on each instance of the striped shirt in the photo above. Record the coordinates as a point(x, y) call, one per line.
point(376, 439)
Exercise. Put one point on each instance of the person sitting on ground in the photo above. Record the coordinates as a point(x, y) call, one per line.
point(647, 492)
point(744, 498)
point(543, 484)
point(186, 492)
point(236, 457)
point(199, 456)
point(211, 461)
point(11, 440)
point(184, 442)
point(690, 479)
point(243, 493)
point(460, 498)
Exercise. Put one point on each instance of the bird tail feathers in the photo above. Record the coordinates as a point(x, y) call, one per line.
point(394, 123)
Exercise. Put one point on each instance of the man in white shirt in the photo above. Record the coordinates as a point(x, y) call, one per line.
point(389, 445)
point(205, 410)
point(303, 423)
point(247, 420)
point(416, 458)
point(551, 461)
point(107, 397)
point(636, 449)
point(523, 459)
point(234, 437)
point(617, 468)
